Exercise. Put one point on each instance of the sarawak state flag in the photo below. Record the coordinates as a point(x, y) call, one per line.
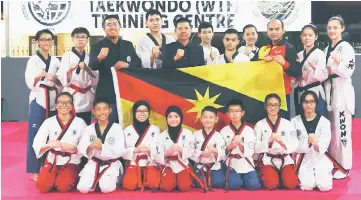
point(194, 88)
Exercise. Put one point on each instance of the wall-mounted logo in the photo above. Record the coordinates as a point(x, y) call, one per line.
point(287, 11)
point(49, 13)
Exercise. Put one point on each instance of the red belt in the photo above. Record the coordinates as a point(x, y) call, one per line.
point(78, 89)
point(62, 154)
point(190, 172)
point(236, 156)
point(140, 183)
point(47, 97)
point(98, 174)
point(207, 177)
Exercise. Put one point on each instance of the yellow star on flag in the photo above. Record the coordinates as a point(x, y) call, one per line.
point(203, 101)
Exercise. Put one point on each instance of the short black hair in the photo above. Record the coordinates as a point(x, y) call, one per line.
point(338, 18)
point(282, 24)
point(249, 26)
point(311, 26)
point(204, 25)
point(235, 102)
point(152, 12)
point(232, 31)
point(44, 31)
point(98, 101)
point(210, 109)
point(272, 95)
point(64, 94)
point(110, 17)
point(80, 30)
point(180, 20)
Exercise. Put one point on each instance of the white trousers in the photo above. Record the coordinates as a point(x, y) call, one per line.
point(311, 178)
point(341, 141)
point(107, 183)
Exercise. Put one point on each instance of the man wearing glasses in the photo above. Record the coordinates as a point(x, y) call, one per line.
point(111, 52)
point(77, 77)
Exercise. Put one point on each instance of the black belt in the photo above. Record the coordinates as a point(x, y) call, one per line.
point(301, 89)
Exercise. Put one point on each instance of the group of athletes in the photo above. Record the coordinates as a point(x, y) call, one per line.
point(65, 150)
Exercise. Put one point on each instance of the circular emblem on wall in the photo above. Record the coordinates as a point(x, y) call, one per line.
point(49, 13)
point(287, 11)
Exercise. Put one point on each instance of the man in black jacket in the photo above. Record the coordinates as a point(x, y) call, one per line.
point(111, 52)
point(181, 53)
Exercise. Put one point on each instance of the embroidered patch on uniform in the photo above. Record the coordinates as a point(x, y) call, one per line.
point(74, 132)
point(228, 136)
point(293, 134)
point(128, 134)
point(339, 49)
point(215, 145)
point(110, 140)
point(183, 137)
point(129, 59)
point(92, 138)
point(192, 145)
point(351, 64)
point(56, 133)
point(299, 133)
point(251, 144)
point(166, 138)
point(34, 126)
point(152, 134)
point(344, 142)
point(283, 133)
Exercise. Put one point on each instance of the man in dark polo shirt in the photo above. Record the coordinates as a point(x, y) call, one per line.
point(111, 52)
point(182, 53)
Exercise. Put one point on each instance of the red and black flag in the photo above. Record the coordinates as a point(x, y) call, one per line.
point(196, 87)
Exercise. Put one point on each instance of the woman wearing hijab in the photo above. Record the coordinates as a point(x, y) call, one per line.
point(140, 143)
point(177, 145)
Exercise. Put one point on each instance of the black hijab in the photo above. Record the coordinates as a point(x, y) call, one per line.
point(174, 131)
point(140, 127)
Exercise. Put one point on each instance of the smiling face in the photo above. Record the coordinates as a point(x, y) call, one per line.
point(45, 42)
point(334, 29)
point(250, 35)
point(173, 119)
point(142, 113)
point(208, 119)
point(112, 28)
point(101, 111)
point(64, 105)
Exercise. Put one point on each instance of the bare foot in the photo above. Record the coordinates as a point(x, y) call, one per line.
point(34, 177)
